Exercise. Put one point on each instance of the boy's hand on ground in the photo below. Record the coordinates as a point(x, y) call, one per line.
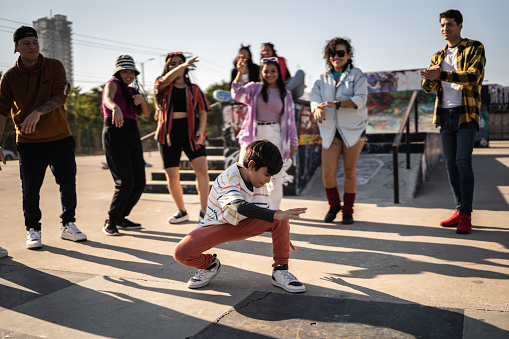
point(293, 213)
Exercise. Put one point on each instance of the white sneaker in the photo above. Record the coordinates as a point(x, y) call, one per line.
point(178, 216)
point(287, 281)
point(71, 232)
point(204, 276)
point(33, 239)
point(3, 252)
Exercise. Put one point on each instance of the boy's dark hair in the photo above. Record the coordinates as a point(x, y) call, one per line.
point(265, 154)
point(452, 14)
point(331, 46)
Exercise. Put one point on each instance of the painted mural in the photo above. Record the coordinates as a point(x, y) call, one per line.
point(392, 81)
point(386, 110)
point(498, 98)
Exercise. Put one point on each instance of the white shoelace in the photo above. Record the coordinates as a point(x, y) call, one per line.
point(287, 276)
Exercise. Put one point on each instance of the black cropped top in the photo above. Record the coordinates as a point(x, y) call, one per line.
point(178, 98)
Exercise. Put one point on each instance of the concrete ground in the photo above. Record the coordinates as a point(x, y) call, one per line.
point(393, 273)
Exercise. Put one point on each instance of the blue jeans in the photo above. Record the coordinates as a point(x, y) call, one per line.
point(457, 146)
point(34, 158)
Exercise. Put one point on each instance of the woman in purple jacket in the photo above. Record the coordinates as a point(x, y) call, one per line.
point(271, 116)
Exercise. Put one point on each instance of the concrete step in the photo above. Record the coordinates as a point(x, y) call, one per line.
point(215, 150)
point(189, 187)
point(158, 184)
point(215, 162)
point(219, 142)
point(389, 137)
point(185, 175)
point(386, 147)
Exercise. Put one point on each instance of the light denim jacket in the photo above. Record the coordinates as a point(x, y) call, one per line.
point(350, 122)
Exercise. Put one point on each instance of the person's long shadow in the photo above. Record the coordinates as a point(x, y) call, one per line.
point(497, 235)
point(124, 311)
point(373, 264)
point(449, 251)
point(62, 300)
point(154, 264)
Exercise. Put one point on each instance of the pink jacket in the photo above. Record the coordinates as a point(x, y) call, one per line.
point(247, 95)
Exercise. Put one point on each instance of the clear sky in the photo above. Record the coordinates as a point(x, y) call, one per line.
point(386, 35)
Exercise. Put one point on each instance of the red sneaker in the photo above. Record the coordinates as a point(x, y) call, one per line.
point(452, 221)
point(464, 224)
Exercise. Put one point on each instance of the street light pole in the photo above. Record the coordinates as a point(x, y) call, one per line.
point(143, 71)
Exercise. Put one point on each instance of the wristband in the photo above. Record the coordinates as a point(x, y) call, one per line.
point(338, 104)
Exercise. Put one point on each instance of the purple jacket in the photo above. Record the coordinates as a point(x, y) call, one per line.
point(247, 95)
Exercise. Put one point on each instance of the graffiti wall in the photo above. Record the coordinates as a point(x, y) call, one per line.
point(392, 81)
point(310, 146)
point(498, 98)
point(386, 110)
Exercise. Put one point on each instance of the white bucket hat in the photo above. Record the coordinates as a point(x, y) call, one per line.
point(125, 62)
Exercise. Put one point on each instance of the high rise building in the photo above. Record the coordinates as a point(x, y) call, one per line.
point(55, 40)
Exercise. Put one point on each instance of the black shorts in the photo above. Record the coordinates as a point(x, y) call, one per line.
point(179, 138)
point(338, 136)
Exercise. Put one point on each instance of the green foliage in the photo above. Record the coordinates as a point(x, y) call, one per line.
point(223, 85)
point(214, 116)
point(84, 111)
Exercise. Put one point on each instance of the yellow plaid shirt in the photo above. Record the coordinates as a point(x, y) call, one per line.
point(470, 74)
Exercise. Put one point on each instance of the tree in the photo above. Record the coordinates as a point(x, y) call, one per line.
point(85, 118)
point(214, 117)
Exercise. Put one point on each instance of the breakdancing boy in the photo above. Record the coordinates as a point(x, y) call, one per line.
point(237, 209)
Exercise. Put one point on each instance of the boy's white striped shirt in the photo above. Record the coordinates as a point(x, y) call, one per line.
point(228, 187)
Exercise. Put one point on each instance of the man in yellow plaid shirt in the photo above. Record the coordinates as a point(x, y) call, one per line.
point(456, 73)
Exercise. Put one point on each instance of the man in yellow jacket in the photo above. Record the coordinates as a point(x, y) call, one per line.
point(456, 73)
point(34, 91)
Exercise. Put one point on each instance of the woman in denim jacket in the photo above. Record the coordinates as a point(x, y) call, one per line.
point(338, 103)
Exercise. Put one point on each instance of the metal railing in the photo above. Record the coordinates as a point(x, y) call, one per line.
point(405, 124)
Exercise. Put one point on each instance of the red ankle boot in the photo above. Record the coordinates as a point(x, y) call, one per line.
point(464, 224)
point(452, 221)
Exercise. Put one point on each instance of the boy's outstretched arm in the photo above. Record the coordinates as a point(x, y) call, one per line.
point(253, 211)
point(293, 213)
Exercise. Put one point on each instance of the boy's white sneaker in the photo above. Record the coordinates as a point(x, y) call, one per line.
point(69, 231)
point(3, 252)
point(33, 239)
point(204, 276)
point(287, 281)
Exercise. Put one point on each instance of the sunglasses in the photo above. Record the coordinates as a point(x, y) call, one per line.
point(340, 53)
point(172, 54)
point(273, 59)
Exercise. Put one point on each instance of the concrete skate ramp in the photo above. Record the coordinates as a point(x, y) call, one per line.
point(375, 182)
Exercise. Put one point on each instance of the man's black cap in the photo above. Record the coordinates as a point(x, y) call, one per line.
point(24, 32)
